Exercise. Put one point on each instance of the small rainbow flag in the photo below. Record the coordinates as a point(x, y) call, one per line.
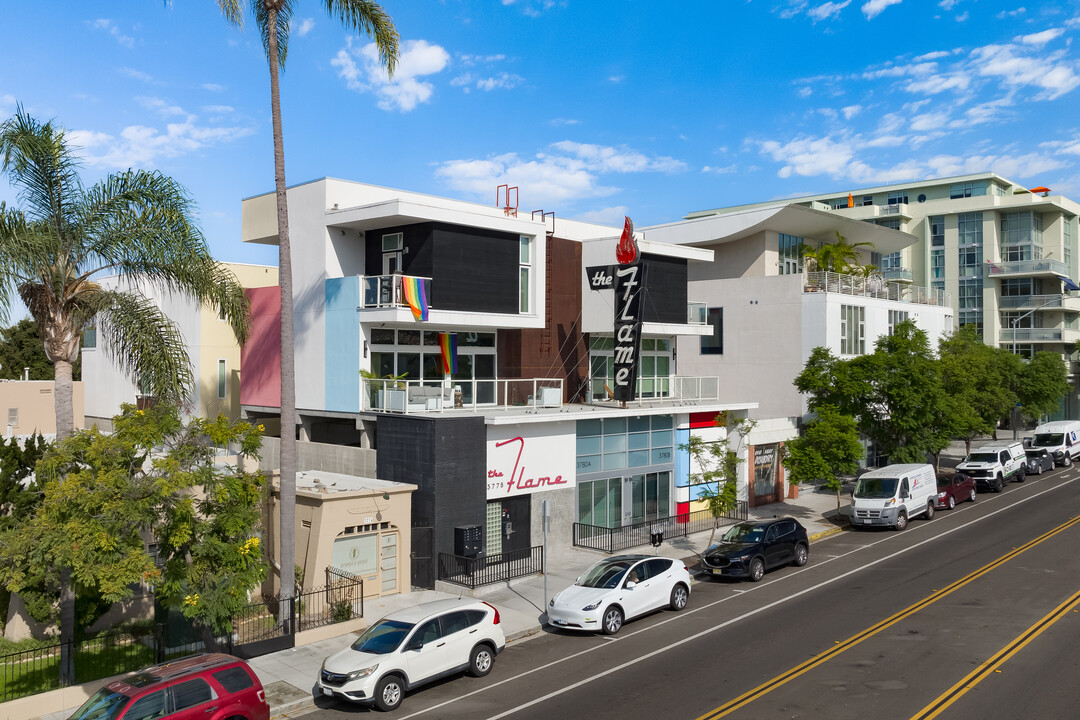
point(416, 295)
point(448, 345)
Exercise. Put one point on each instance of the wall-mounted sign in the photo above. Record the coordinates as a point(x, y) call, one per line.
point(521, 463)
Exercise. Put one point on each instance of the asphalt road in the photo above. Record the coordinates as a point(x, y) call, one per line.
point(974, 614)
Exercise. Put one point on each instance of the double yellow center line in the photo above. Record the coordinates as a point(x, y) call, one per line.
point(955, 692)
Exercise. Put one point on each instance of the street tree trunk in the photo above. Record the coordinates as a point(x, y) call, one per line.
point(287, 515)
point(67, 628)
point(63, 403)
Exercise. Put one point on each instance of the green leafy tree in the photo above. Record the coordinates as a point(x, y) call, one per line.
point(1041, 383)
point(828, 448)
point(21, 347)
point(19, 492)
point(718, 463)
point(979, 379)
point(839, 257)
point(272, 17)
point(103, 493)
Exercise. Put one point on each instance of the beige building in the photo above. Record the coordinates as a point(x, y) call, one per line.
point(30, 407)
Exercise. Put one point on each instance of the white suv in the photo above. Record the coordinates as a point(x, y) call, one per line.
point(993, 464)
point(414, 646)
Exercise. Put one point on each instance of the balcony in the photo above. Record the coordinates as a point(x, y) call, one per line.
point(874, 286)
point(676, 388)
point(388, 291)
point(1027, 335)
point(896, 274)
point(1029, 268)
point(697, 313)
point(436, 396)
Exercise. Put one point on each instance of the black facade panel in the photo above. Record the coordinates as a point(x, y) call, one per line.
point(665, 282)
point(416, 256)
point(446, 459)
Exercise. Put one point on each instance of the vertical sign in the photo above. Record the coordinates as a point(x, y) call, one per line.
point(629, 279)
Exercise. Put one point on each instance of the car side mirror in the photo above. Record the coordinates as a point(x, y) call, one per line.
point(904, 494)
point(415, 645)
point(630, 585)
point(1027, 442)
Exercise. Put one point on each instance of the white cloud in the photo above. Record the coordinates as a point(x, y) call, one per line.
point(939, 83)
point(605, 216)
point(722, 170)
point(534, 8)
point(303, 27)
point(806, 91)
point(1053, 76)
point(948, 4)
point(567, 172)
point(502, 81)
point(1021, 166)
point(1017, 12)
point(962, 17)
point(139, 75)
point(110, 27)
point(213, 87)
point(616, 79)
point(362, 71)
point(873, 8)
point(470, 60)
point(930, 121)
point(827, 10)
point(559, 122)
point(1041, 38)
point(935, 55)
point(140, 146)
point(851, 111)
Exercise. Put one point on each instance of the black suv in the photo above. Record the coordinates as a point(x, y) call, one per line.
point(750, 548)
point(210, 686)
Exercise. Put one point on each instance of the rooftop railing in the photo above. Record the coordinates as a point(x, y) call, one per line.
point(874, 286)
point(388, 291)
point(428, 396)
point(677, 388)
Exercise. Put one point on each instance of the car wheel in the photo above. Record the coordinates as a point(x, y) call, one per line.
point(757, 569)
point(481, 660)
point(952, 502)
point(901, 521)
point(802, 553)
point(998, 484)
point(679, 596)
point(1068, 460)
point(1022, 475)
point(929, 511)
point(613, 620)
point(389, 693)
point(972, 494)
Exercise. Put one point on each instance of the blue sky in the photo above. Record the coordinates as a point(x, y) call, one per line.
point(595, 109)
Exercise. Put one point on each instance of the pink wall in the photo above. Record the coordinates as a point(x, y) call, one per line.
point(260, 358)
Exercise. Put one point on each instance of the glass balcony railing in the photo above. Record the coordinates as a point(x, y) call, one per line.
point(898, 274)
point(671, 387)
point(427, 396)
point(1029, 301)
point(1010, 335)
point(697, 313)
point(388, 291)
point(874, 286)
point(1029, 267)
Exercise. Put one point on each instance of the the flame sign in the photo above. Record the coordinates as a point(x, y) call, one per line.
point(627, 250)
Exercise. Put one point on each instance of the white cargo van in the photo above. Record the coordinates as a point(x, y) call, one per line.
point(1061, 439)
point(893, 494)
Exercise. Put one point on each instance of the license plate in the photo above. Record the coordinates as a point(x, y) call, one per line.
point(717, 572)
point(327, 691)
point(866, 520)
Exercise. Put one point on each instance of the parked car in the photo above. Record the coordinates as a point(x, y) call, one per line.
point(414, 646)
point(894, 494)
point(1061, 438)
point(1038, 460)
point(993, 464)
point(954, 488)
point(750, 548)
point(619, 588)
point(211, 686)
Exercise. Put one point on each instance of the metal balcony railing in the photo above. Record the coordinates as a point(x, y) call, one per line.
point(1029, 301)
point(874, 286)
point(649, 389)
point(697, 313)
point(1029, 267)
point(387, 291)
point(428, 396)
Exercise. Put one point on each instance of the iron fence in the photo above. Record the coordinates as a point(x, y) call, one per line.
point(341, 599)
point(476, 572)
point(622, 537)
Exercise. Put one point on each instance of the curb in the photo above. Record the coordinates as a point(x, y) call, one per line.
point(283, 711)
point(826, 533)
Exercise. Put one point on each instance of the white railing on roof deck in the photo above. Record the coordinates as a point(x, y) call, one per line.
point(427, 396)
point(874, 286)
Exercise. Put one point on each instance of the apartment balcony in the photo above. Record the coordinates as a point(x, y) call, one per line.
point(1035, 302)
point(1029, 268)
point(902, 275)
point(1007, 336)
point(871, 212)
point(697, 313)
point(437, 396)
point(874, 286)
point(677, 389)
point(403, 299)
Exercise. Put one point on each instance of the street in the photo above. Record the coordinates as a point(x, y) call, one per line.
point(972, 614)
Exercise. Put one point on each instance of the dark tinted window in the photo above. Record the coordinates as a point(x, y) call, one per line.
point(772, 533)
point(234, 679)
point(428, 632)
point(475, 616)
point(786, 527)
point(656, 567)
point(454, 622)
point(148, 707)
point(382, 638)
point(191, 693)
point(103, 705)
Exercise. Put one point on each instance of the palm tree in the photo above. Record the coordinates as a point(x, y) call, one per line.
point(272, 18)
point(137, 224)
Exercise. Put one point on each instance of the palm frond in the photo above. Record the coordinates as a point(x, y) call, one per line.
point(233, 10)
point(369, 18)
point(282, 13)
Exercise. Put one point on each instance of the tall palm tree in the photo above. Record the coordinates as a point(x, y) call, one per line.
point(136, 224)
point(272, 18)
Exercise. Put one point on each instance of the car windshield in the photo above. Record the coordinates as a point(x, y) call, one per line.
point(745, 533)
point(605, 574)
point(1047, 439)
point(982, 457)
point(383, 637)
point(1035, 453)
point(105, 704)
point(943, 483)
point(876, 487)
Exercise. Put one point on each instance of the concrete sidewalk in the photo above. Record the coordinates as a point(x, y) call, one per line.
point(289, 675)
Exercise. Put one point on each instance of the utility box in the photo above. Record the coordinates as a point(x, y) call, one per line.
point(468, 540)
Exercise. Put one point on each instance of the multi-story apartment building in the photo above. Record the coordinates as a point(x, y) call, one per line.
point(1004, 253)
point(465, 345)
point(766, 312)
point(211, 347)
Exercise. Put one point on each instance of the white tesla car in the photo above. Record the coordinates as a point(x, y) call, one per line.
point(620, 588)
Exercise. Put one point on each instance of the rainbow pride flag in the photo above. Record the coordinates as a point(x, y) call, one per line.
point(448, 345)
point(416, 295)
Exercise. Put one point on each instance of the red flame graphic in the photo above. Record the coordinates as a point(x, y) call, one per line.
point(627, 250)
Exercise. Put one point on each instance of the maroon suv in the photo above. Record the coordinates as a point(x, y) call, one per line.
point(210, 686)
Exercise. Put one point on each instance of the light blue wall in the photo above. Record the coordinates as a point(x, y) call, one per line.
point(342, 354)
point(682, 458)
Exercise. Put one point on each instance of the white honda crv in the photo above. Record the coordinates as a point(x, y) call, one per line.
point(414, 646)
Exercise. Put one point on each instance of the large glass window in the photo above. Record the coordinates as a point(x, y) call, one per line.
point(1021, 236)
point(898, 197)
point(1013, 287)
point(1066, 229)
point(852, 330)
point(713, 344)
point(790, 254)
point(525, 271)
point(616, 443)
point(895, 318)
point(222, 378)
point(967, 189)
point(971, 317)
point(937, 263)
point(600, 502)
point(970, 295)
point(416, 355)
point(654, 369)
point(937, 230)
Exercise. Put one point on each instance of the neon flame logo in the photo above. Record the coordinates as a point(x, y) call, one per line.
point(627, 250)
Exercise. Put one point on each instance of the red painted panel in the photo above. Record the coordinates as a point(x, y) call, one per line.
point(703, 419)
point(260, 358)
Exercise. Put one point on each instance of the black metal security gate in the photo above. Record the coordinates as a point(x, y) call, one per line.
point(423, 557)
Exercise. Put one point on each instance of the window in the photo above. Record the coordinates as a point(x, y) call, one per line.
point(428, 632)
point(891, 261)
point(713, 344)
point(970, 295)
point(937, 263)
point(898, 197)
point(89, 338)
point(234, 679)
point(191, 693)
point(392, 242)
point(893, 223)
point(525, 271)
point(852, 330)
point(222, 377)
point(790, 254)
point(1021, 236)
point(971, 317)
point(1066, 228)
point(895, 318)
point(1016, 287)
point(654, 368)
point(969, 228)
point(13, 417)
point(148, 707)
point(967, 189)
point(937, 230)
point(867, 200)
point(617, 443)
